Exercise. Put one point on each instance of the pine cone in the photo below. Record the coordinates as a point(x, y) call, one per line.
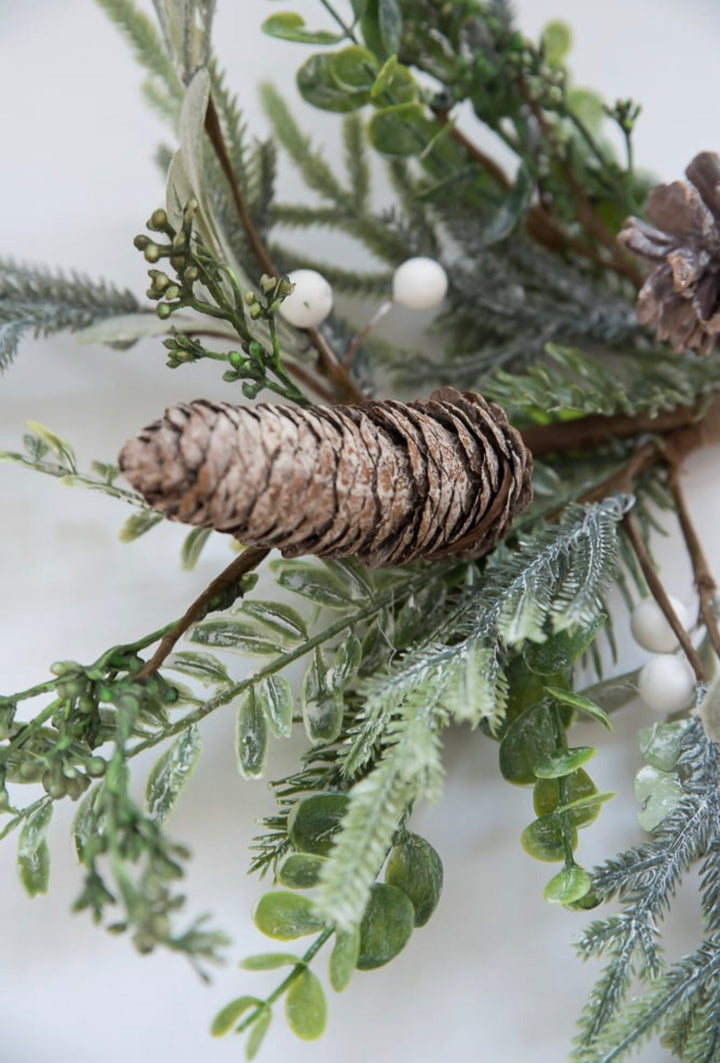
point(681, 297)
point(388, 481)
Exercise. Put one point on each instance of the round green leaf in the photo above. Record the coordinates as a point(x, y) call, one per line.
point(556, 40)
point(317, 85)
point(660, 744)
point(386, 926)
point(394, 84)
point(305, 1006)
point(343, 958)
point(269, 961)
point(300, 871)
point(354, 68)
point(289, 26)
point(284, 916)
point(578, 786)
point(543, 839)
point(564, 762)
point(257, 1033)
point(568, 886)
point(657, 793)
point(315, 820)
point(401, 130)
point(529, 741)
point(561, 650)
point(415, 868)
point(229, 1015)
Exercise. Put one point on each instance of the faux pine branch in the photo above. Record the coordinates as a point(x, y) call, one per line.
point(443, 557)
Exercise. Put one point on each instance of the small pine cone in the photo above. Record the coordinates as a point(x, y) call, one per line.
point(681, 297)
point(388, 481)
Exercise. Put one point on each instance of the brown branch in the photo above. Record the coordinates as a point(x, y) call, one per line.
point(706, 586)
point(623, 481)
point(327, 364)
point(659, 594)
point(249, 559)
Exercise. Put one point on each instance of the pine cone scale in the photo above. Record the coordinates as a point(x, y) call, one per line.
point(388, 481)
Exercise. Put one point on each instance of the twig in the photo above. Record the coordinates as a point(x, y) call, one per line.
point(704, 581)
point(658, 592)
point(623, 480)
point(249, 559)
point(327, 363)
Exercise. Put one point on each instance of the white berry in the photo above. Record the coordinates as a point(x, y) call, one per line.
point(419, 283)
point(666, 684)
point(311, 300)
point(650, 628)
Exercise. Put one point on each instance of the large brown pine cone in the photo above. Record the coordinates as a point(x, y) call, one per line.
point(388, 481)
point(681, 297)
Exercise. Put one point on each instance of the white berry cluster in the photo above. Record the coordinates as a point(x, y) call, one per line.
point(666, 683)
point(419, 283)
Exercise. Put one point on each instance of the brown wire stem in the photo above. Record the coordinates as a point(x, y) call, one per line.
point(706, 586)
point(249, 559)
point(659, 594)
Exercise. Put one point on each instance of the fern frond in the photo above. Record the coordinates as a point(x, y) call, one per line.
point(548, 581)
point(146, 43)
point(45, 301)
point(645, 879)
point(410, 767)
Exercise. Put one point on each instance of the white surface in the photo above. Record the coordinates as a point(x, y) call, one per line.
point(492, 976)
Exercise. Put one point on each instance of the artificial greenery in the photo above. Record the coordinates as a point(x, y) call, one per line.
point(540, 317)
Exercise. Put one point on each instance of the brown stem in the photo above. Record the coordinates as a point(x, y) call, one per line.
point(658, 592)
point(327, 363)
point(249, 559)
point(590, 431)
point(214, 132)
point(623, 481)
point(706, 586)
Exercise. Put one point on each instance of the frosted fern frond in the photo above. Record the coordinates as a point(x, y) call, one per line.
point(409, 768)
point(44, 301)
point(353, 219)
point(554, 580)
point(637, 382)
point(645, 879)
point(146, 43)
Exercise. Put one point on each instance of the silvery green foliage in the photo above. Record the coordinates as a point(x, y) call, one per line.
point(681, 1000)
point(45, 301)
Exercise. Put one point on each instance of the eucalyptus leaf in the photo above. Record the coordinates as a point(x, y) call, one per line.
point(528, 741)
point(657, 793)
point(543, 839)
point(229, 1015)
point(416, 868)
point(564, 762)
point(386, 926)
point(257, 1033)
point(343, 958)
point(33, 854)
point(660, 743)
point(251, 737)
point(289, 26)
point(568, 886)
point(171, 774)
point(300, 871)
point(581, 797)
point(354, 69)
point(269, 961)
point(582, 704)
point(317, 85)
point(394, 84)
point(285, 916)
point(315, 820)
point(306, 1007)
point(563, 649)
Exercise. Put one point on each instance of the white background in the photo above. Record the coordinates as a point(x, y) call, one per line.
point(493, 975)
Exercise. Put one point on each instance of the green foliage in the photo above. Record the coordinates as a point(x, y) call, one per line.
point(42, 301)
